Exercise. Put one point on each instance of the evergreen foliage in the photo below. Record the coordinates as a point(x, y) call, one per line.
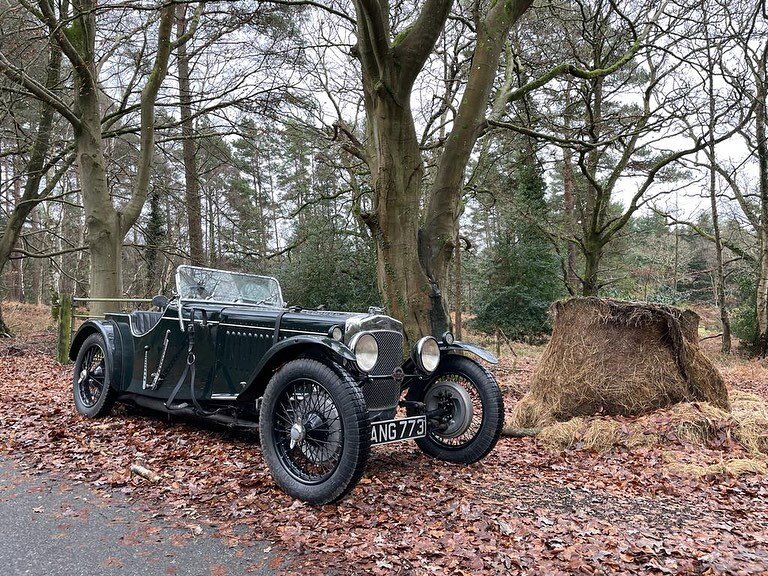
point(522, 274)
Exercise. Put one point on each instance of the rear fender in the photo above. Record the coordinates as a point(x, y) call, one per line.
point(305, 345)
point(113, 339)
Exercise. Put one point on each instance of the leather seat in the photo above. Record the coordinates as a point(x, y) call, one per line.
point(143, 321)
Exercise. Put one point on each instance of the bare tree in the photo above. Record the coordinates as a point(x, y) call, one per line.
point(628, 119)
point(74, 29)
point(36, 168)
point(191, 192)
point(413, 258)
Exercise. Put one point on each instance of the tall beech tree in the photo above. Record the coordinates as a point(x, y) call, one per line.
point(74, 30)
point(414, 255)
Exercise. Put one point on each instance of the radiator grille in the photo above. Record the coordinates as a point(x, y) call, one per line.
point(382, 393)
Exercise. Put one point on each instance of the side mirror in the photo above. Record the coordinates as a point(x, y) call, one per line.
point(160, 302)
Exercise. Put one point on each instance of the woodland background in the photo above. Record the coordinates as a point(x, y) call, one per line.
point(621, 152)
point(480, 157)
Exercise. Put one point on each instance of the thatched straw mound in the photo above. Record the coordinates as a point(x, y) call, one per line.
point(618, 358)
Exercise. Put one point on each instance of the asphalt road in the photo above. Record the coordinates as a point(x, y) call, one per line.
point(53, 527)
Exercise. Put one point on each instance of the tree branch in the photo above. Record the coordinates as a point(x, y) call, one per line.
point(131, 211)
point(42, 93)
point(706, 235)
point(319, 5)
point(413, 45)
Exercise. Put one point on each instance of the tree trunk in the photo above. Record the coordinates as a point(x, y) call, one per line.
point(590, 285)
point(396, 177)
point(153, 237)
point(5, 331)
point(436, 241)
point(571, 280)
point(413, 263)
point(761, 301)
point(191, 190)
point(103, 229)
point(719, 272)
point(106, 225)
point(458, 305)
point(762, 297)
point(17, 269)
point(569, 203)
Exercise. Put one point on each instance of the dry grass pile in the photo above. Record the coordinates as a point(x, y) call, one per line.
point(734, 467)
point(618, 358)
point(599, 434)
point(750, 411)
point(698, 423)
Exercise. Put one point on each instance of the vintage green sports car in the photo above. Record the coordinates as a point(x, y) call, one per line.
point(321, 387)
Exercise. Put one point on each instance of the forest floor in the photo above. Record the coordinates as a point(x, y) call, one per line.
point(525, 509)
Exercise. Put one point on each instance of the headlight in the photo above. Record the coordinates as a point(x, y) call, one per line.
point(336, 333)
point(448, 338)
point(426, 354)
point(366, 351)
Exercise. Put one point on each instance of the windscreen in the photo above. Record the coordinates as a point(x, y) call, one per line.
point(228, 287)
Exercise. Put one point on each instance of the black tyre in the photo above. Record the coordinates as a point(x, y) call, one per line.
point(470, 407)
point(315, 432)
point(91, 384)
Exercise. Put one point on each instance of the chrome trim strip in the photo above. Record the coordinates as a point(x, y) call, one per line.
point(136, 334)
point(246, 327)
point(303, 332)
point(271, 329)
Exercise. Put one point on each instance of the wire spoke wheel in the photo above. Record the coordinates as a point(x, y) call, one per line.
point(463, 408)
point(308, 432)
point(314, 429)
point(91, 376)
point(94, 396)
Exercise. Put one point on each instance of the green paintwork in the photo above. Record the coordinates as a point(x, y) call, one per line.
point(236, 348)
point(228, 350)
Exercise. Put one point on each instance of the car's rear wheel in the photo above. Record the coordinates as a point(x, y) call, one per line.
point(467, 409)
point(91, 386)
point(315, 432)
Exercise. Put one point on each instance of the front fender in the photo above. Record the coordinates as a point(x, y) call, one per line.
point(467, 349)
point(288, 349)
point(112, 337)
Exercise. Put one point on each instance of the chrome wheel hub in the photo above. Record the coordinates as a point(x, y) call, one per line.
point(454, 397)
point(298, 433)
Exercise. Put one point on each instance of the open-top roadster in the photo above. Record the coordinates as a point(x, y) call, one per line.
point(321, 387)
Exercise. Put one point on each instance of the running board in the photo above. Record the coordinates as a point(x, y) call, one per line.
point(159, 406)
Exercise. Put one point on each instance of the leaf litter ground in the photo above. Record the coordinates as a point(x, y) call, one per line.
point(524, 510)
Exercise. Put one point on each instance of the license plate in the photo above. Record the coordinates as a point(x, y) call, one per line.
point(396, 430)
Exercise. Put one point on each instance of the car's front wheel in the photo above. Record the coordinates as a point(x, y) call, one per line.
point(91, 387)
point(315, 432)
point(466, 410)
